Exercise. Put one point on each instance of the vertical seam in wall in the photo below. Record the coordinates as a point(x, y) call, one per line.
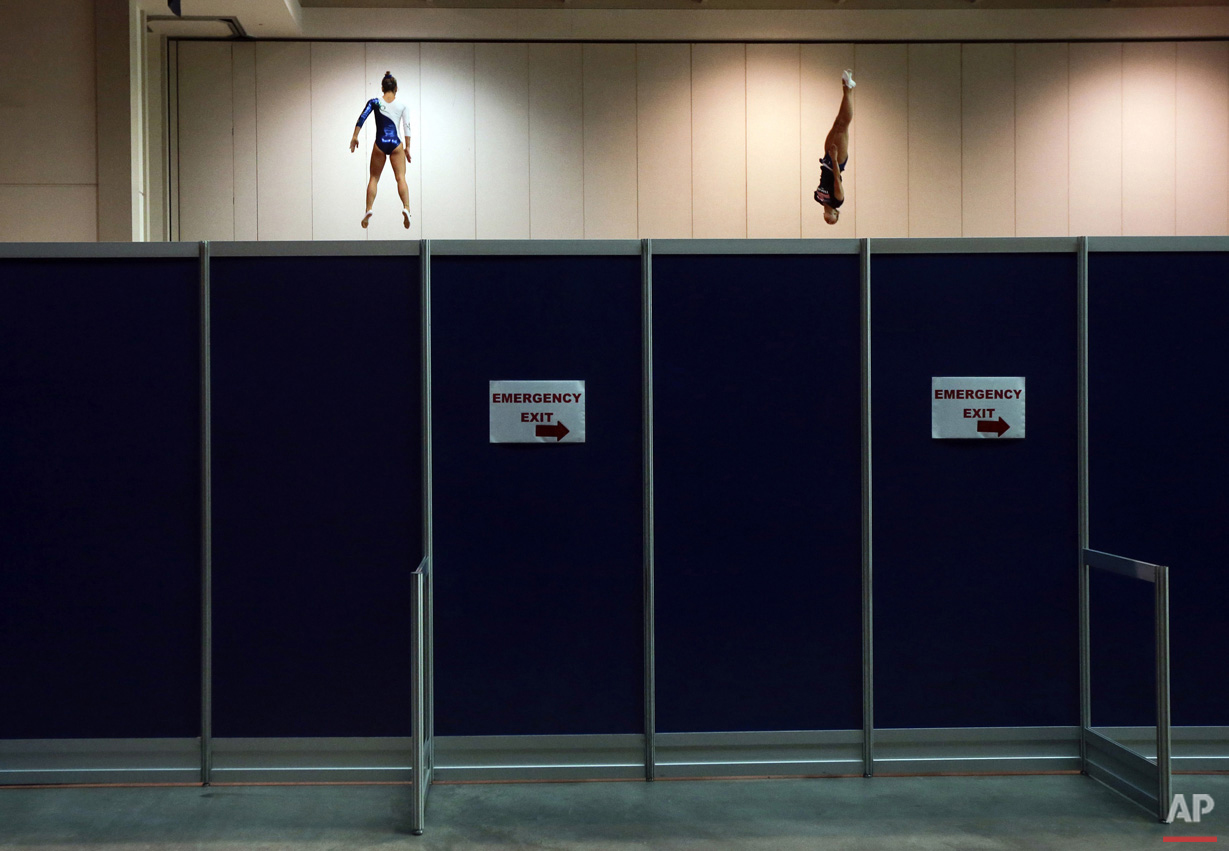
point(256, 138)
point(234, 153)
point(1015, 131)
point(474, 99)
point(636, 89)
point(422, 208)
point(908, 185)
point(582, 140)
point(746, 145)
point(529, 125)
point(960, 83)
point(692, 125)
point(1015, 146)
point(584, 160)
point(1067, 47)
point(177, 230)
point(798, 188)
point(1122, 135)
point(1175, 148)
point(1175, 139)
point(853, 64)
point(311, 148)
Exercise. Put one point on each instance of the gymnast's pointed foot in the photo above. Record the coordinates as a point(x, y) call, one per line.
point(366, 218)
point(405, 214)
point(847, 79)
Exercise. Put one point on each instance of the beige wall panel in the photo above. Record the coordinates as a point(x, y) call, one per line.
point(243, 65)
point(610, 141)
point(339, 177)
point(1149, 83)
point(556, 142)
point(283, 140)
point(46, 56)
point(48, 213)
point(501, 116)
point(206, 148)
point(822, 65)
point(719, 141)
point(934, 140)
point(1096, 139)
point(448, 187)
point(404, 61)
point(774, 141)
point(1202, 139)
point(881, 71)
point(663, 127)
point(988, 140)
point(1042, 196)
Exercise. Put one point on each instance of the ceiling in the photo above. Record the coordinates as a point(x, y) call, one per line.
point(753, 4)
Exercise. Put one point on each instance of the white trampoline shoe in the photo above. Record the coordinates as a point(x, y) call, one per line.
point(405, 213)
point(847, 78)
point(366, 218)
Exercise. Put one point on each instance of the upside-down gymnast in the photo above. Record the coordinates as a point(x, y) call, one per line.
point(831, 189)
point(390, 113)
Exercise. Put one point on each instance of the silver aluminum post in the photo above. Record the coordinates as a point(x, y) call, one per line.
point(868, 659)
point(428, 470)
point(1163, 744)
point(206, 523)
point(1085, 626)
point(417, 707)
point(650, 623)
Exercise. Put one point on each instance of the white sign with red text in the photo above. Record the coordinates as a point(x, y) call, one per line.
point(537, 411)
point(977, 408)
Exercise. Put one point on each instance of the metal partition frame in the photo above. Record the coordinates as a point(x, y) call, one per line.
point(421, 769)
point(340, 759)
point(1127, 772)
point(710, 756)
point(900, 751)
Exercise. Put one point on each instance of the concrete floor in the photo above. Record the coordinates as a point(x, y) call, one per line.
point(1034, 813)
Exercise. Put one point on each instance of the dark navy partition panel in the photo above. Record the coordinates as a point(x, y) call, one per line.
point(1158, 332)
point(538, 548)
point(99, 498)
point(317, 493)
point(975, 542)
point(758, 492)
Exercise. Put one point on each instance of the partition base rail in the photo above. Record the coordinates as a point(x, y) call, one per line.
point(1143, 780)
point(994, 750)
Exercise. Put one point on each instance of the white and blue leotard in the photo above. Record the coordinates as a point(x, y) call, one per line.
point(388, 116)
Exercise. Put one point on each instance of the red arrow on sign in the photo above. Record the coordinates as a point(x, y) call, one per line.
point(999, 428)
point(558, 431)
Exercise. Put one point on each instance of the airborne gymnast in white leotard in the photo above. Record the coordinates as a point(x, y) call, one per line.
point(390, 113)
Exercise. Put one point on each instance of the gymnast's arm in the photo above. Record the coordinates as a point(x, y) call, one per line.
point(359, 126)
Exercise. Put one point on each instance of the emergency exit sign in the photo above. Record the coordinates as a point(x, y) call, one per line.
point(991, 408)
point(537, 411)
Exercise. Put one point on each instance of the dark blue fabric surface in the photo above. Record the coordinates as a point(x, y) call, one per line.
point(99, 499)
point(317, 507)
point(1158, 326)
point(975, 542)
point(538, 553)
point(758, 492)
